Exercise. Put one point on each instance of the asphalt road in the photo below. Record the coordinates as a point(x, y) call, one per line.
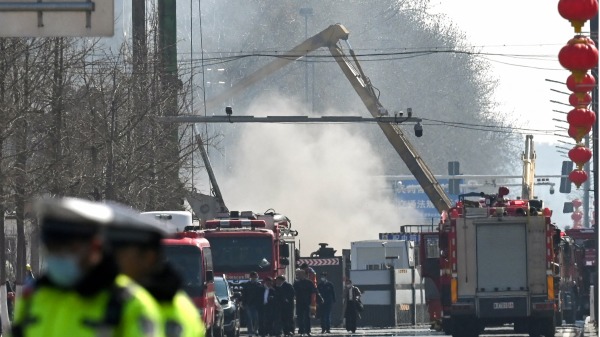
point(565, 331)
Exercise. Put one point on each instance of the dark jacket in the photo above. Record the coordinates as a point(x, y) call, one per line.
point(272, 297)
point(304, 289)
point(327, 292)
point(286, 294)
point(252, 294)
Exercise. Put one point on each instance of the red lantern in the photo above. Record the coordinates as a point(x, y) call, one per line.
point(576, 216)
point(581, 117)
point(578, 56)
point(586, 84)
point(580, 99)
point(578, 11)
point(580, 155)
point(578, 177)
point(578, 132)
point(577, 203)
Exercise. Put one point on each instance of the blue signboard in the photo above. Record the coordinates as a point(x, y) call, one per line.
point(400, 236)
point(410, 194)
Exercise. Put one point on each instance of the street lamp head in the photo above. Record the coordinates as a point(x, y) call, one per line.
point(418, 130)
point(229, 110)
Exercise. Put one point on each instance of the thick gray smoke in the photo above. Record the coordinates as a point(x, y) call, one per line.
point(322, 176)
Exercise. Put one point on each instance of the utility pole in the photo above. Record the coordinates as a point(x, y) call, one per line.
point(170, 84)
point(594, 36)
point(138, 19)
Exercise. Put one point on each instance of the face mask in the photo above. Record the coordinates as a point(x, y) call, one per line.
point(323, 279)
point(63, 270)
point(348, 286)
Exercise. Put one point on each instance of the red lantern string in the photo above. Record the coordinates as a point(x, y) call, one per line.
point(578, 132)
point(580, 155)
point(578, 11)
point(580, 99)
point(576, 216)
point(578, 177)
point(578, 56)
point(587, 83)
point(580, 117)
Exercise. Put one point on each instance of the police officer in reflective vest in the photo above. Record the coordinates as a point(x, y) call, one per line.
point(136, 244)
point(81, 293)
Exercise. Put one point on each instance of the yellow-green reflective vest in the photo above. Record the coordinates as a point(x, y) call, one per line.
point(125, 310)
point(181, 317)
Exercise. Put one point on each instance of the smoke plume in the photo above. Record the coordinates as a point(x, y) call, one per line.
point(326, 178)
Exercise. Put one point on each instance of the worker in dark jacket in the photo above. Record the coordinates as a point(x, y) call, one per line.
point(252, 292)
point(305, 290)
point(286, 296)
point(352, 306)
point(136, 243)
point(327, 293)
point(269, 313)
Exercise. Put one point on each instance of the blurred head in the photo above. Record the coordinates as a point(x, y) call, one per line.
point(300, 274)
point(137, 260)
point(135, 242)
point(268, 282)
point(279, 280)
point(323, 276)
point(348, 283)
point(72, 235)
point(253, 276)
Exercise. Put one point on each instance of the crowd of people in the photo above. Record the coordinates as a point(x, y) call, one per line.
point(106, 275)
point(270, 305)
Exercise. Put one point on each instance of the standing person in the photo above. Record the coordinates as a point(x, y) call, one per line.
point(286, 295)
point(311, 275)
point(136, 243)
point(305, 291)
point(81, 292)
point(10, 300)
point(29, 278)
point(251, 303)
point(351, 304)
point(327, 293)
point(269, 313)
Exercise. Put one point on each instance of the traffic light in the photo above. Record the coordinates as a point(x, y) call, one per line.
point(454, 184)
point(565, 183)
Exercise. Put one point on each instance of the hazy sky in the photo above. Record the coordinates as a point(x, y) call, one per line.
point(527, 36)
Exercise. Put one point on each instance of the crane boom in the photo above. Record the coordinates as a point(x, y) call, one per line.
point(528, 158)
point(330, 38)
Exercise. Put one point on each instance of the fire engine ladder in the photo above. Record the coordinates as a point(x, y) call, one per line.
point(330, 38)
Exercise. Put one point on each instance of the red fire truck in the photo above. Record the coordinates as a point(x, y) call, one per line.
point(242, 242)
point(498, 265)
point(429, 261)
point(582, 269)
